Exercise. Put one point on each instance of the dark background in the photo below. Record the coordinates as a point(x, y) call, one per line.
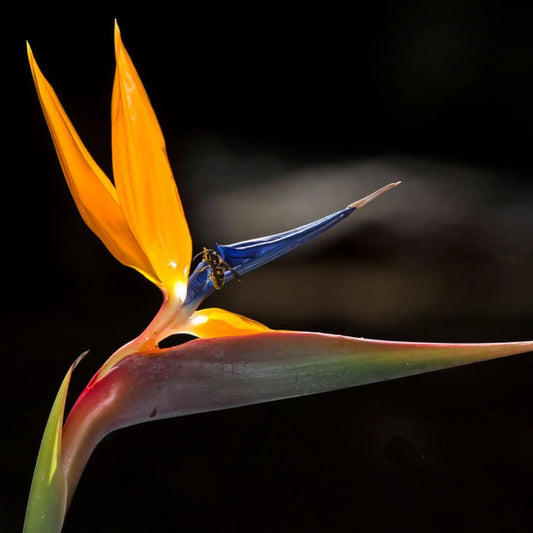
point(273, 117)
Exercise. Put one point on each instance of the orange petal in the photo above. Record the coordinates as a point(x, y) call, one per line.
point(216, 322)
point(94, 194)
point(146, 188)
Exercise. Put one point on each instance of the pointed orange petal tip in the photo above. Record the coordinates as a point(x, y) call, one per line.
point(360, 203)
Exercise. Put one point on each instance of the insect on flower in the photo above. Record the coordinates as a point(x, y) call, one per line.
point(217, 266)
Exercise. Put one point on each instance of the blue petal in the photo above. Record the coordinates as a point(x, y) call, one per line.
point(247, 255)
point(244, 256)
point(199, 286)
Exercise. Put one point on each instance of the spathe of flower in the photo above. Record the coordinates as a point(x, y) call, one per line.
point(141, 221)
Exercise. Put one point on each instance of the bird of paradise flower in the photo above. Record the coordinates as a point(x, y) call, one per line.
point(141, 221)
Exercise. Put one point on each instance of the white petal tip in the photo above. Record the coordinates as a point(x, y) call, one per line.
point(360, 203)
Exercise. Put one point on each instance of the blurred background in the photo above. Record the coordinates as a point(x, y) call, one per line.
point(275, 117)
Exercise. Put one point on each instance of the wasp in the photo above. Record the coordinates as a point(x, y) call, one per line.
point(218, 267)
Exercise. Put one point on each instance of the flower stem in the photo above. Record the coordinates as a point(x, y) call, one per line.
point(165, 323)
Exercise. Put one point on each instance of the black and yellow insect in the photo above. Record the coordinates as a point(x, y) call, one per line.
point(217, 267)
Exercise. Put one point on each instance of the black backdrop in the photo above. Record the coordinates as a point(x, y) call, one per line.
point(249, 96)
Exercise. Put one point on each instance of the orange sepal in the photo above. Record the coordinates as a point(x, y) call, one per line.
point(94, 194)
point(145, 184)
point(214, 322)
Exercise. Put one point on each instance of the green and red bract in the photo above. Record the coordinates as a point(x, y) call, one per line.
point(211, 374)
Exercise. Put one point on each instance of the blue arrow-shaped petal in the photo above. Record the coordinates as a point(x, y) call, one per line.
point(241, 257)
